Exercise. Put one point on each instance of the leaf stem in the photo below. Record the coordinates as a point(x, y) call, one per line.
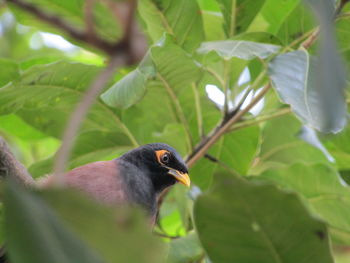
point(216, 75)
point(248, 123)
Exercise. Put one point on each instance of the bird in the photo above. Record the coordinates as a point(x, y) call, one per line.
point(137, 177)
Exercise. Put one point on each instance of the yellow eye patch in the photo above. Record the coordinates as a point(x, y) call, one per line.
point(159, 154)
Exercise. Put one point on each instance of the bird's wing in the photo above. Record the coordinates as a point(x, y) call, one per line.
point(99, 180)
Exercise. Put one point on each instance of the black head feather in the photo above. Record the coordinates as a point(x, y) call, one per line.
point(144, 175)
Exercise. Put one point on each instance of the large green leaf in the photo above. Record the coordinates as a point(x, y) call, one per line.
point(282, 146)
point(35, 233)
point(254, 222)
point(178, 73)
point(321, 186)
point(272, 15)
point(212, 23)
point(238, 14)
point(297, 24)
point(45, 95)
point(238, 48)
point(181, 19)
point(130, 89)
point(295, 76)
point(9, 71)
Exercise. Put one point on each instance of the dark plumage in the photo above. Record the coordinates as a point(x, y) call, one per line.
point(137, 177)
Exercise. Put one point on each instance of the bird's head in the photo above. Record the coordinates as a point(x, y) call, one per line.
point(162, 163)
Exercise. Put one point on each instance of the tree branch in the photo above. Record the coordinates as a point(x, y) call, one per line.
point(10, 166)
point(80, 112)
point(202, 147)
point(88, 36)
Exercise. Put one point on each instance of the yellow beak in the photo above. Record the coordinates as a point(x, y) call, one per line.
point(181, 177)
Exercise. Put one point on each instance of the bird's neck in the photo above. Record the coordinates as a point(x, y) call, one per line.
point(140, 188)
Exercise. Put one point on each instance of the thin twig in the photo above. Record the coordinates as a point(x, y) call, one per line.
point(311, 39)
point(10, 166)
point(80, 112)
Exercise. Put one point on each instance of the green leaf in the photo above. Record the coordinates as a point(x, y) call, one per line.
point(254, 222)
point(45, 95)
point(185, 249)
point(272, 15)
point(297, 24)
point(237, 48)
point(339, 147)
point(326, 195)
point(115, 232)
point(295, 76)
point(181, 19)
point(238, 14)
point(177, 72)
point(15, 126)
point(285, 147)
point(9, 71)
point(130, 89)
point(35, 233)
point(212, 23)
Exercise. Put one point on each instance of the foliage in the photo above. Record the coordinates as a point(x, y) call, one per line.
point(268, 189)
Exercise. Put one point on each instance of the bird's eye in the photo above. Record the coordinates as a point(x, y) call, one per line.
point(165, 158)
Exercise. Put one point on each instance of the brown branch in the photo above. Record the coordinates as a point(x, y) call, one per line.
point(81, 36)
point(10, 166)
point(89, 19)
point(80, 112)
point(311, 39)
point(207, 142)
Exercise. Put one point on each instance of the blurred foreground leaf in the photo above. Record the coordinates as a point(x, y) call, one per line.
point(326, 194)
point(35, 233)
point(116, 233)
point(185, 249)
point(63, 226)
point(255, 222)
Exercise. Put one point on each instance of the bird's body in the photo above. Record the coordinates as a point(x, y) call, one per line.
point(137, 177)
